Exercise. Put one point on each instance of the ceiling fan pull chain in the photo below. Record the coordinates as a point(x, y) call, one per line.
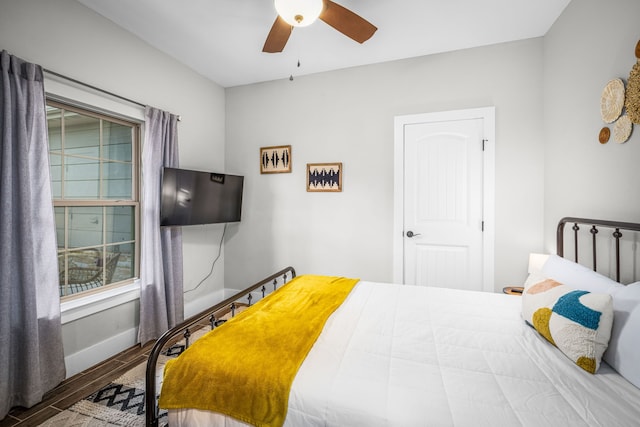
point(291, 76)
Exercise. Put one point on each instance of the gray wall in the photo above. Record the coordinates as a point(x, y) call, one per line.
point(347, 116)
point(591, 43)
point(66, 37)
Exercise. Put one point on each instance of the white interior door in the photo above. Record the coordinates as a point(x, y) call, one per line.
point(443, 203)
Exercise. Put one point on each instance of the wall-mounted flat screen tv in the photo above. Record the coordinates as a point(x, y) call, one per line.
point(192, 197)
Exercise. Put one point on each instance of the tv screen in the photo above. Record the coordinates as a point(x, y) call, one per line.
point(193, 197)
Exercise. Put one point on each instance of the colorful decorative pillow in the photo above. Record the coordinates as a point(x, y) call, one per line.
point(576, 321)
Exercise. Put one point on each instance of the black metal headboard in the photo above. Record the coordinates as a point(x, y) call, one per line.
point(595, 224)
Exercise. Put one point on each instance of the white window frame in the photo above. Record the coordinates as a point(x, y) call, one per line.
point(102, 203)
point(61, 90)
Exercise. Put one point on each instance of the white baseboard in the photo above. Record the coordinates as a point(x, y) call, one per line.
point(194, 307)
point(97, 353)
point(256, 295)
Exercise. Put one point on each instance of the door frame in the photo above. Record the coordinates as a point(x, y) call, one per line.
point(488, 171)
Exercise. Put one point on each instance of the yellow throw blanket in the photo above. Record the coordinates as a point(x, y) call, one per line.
point(245, 368)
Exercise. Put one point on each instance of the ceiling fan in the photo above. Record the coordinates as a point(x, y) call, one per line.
point(297, 13)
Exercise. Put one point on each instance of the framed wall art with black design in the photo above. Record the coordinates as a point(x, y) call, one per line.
point(275, 159)
point(324, 177)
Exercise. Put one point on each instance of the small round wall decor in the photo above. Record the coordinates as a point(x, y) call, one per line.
point(622, 129)
point(612, 100)
point(605, 134)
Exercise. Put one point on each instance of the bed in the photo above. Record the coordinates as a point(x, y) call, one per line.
point(395, 355)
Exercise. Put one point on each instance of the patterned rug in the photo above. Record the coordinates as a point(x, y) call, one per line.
point(120, 403)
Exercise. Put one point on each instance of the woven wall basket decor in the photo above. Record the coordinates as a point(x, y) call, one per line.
point(632, 101)
point(612, 100)
point(622, 129)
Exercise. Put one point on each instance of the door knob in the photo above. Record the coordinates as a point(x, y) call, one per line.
point(411, 234)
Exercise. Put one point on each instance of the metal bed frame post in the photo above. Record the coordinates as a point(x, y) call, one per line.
point(575, 229)
point(617, 235)
point(151, 407)
point(593, 232)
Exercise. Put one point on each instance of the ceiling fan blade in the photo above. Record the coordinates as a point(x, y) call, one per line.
point(278, 36)
point(347, 22)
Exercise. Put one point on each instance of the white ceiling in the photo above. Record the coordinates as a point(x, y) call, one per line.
point(223, 39)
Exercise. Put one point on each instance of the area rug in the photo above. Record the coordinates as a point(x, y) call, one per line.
point(120, 403)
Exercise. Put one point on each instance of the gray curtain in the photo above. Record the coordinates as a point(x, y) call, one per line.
point(31, 355)
point(161, 292)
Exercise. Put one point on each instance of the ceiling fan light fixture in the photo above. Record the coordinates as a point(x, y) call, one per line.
point(299, 13)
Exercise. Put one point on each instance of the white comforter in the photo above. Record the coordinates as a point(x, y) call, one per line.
point(396, 355)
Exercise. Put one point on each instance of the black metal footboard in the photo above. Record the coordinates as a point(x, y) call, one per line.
point(183, 330)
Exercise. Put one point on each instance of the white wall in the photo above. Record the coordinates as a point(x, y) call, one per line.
point(347, 116)
point(68, 38)
point(591, 43)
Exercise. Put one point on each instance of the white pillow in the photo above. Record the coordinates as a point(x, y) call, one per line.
point(578, 276)
point(623, 353)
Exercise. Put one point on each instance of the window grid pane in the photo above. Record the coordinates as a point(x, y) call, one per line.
point(92, 267)
point(96, 161)
point(81, 178)
point(93, 178)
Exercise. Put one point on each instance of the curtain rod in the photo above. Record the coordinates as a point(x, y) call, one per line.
point(96, 88)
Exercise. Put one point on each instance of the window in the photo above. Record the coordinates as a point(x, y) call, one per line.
point(93, 161)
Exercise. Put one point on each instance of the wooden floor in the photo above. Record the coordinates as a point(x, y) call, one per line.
point(76, 388)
